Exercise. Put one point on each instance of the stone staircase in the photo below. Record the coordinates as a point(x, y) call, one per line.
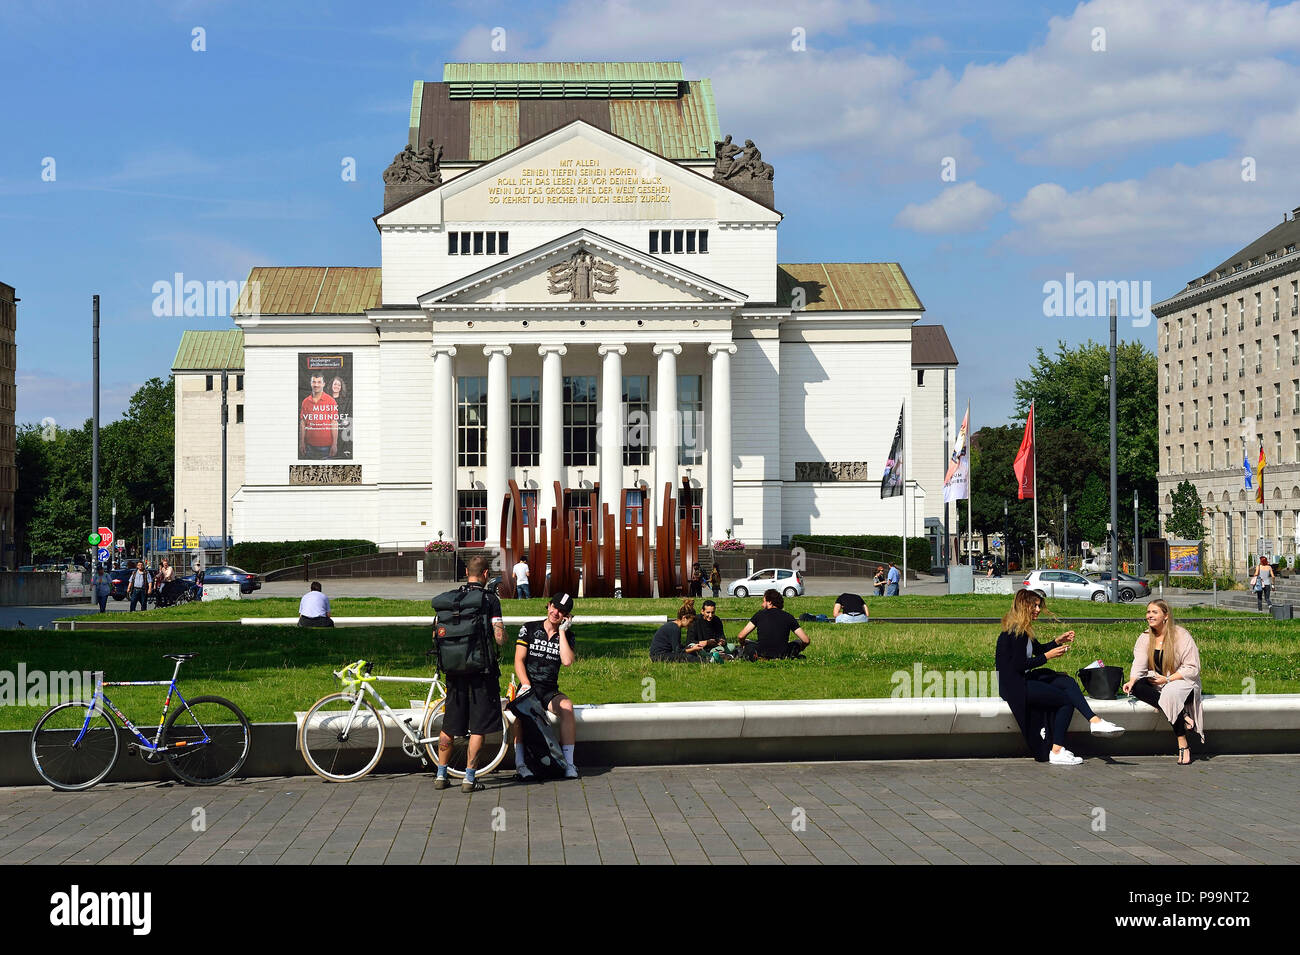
point(1287, 591)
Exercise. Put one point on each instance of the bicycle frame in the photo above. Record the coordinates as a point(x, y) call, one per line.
point(361, 685)
point(154, 745)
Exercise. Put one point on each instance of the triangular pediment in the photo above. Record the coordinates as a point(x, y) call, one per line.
point(581, 269)
point(579, 173)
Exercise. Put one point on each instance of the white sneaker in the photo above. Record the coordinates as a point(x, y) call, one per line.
point(1064, 758)
point(570, 771)
point(1106, 728)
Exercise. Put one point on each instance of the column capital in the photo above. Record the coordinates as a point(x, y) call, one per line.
point(604, 350)
point(728, 348)
point(490, 350)
point(448, 350)
point(667, 347)
point(545, 350)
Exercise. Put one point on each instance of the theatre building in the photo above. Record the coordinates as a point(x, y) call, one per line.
point(580, 283)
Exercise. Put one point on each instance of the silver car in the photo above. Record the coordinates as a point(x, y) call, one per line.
point(1064, 583)
point(789, 582)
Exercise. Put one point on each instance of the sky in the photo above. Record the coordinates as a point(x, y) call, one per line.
point(990, 149)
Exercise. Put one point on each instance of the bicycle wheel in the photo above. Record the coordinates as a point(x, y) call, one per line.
point(490, 754)
point(211, 736)
point(337, 746)
point(65, 763)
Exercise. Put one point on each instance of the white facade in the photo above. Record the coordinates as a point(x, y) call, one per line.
point(197, 460)
point(778, 388)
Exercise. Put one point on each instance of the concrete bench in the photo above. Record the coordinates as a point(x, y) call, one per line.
point(428, 621)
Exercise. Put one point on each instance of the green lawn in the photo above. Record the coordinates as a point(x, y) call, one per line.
point(273, 671)
point(991, 605)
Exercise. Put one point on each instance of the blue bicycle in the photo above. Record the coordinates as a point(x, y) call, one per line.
point(204, 741)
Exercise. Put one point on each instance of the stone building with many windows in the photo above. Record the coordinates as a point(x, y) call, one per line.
point(579, 283)
point(1229, 356)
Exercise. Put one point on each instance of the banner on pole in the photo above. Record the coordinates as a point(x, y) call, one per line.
point(956, 483)
point(1024, 465)
point(891, 483)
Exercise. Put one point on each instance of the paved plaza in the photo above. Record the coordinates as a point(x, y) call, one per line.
point(1129, 811)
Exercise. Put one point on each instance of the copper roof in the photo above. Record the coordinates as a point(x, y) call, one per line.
point(309, 290)
point(846, 287)
point(482, 110)
point(930, 346)
point(210, 351)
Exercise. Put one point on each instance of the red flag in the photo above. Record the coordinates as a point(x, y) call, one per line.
point(1025, 458)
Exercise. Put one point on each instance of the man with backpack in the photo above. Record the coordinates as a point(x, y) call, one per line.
point(543, 647)
point(472, 667)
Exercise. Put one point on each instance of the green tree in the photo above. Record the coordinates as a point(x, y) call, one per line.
point(1069, 390)
point(1185, 514)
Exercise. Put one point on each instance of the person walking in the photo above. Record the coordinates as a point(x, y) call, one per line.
point(139, 586)
point(103, 587)
point(520, 570)
point(1166, 674)
point(1262, 583)
point(715, 580)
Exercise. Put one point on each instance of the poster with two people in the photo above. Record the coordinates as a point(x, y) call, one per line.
point(325, 411)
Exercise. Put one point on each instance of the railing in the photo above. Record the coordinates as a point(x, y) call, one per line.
point(334, 553)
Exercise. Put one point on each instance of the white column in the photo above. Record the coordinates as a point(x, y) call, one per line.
point(611, 428)
point(443, 470)
point(720, 470)
point(552, 451)
point(667, 432)
point(498, 437)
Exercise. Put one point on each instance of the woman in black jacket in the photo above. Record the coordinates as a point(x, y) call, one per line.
point(1042, 701)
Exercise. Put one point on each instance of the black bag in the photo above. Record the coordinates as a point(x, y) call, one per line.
point(542, 752)
point(1101, 683)
point(462, 634)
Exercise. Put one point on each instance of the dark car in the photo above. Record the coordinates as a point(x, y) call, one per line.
point(121, 582)
point(226, 574)
point(1130, 587)
point(987, 561)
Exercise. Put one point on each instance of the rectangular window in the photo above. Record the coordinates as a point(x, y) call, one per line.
point(471, 422)
point(690, 411)
point(579, 420)
point(239, 382)
point(471, 518)
point(1259, 402)
point(491, 243)
point(1196, 457)
point(678, 240)
point(636, 420)
point(704, 243)
point(1277, 351)
point(525, 422)
point(239, 414)
point(528, 500)
point(654, 241)
point(453, 243)
point(635, 512)
point(920, 377)
point(503, 243)
point(478, 243)
point(690, 241)
point(464, 243)
point(579, 502)
point(1277, 443)
point(207, 385)
point(691, 505)
point(1277, 399)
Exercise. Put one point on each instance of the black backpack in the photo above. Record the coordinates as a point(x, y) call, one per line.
point(543, 754)
point(462, 633)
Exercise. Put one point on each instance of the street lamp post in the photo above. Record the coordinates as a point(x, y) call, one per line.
point(112, 554)
point(1065, 528)
point(1137, 545)
point(1006, 535)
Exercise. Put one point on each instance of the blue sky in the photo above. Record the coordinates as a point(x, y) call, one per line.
point(1106, 139)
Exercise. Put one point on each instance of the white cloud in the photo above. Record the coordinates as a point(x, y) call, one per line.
point(69, 401)
point(966, 207)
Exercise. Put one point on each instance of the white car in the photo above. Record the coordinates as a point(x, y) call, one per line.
point(789, 582)
point(1064, 583)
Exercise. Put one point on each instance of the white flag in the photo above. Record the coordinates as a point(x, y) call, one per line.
point(956, 483)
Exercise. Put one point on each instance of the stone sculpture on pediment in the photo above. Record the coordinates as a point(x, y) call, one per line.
point(582, 276)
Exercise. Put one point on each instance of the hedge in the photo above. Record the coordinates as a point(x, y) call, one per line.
point(851, 545)
point(255, 556)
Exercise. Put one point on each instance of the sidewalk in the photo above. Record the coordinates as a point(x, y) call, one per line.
point(1132, 810)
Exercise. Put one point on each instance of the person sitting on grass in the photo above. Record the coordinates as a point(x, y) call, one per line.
point(314, 608)
point(849, 608)
point(666, 644)
point(706, 631)
point(774, 625)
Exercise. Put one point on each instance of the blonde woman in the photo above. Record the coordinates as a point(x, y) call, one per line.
point(1166, 674)
point(1042, 700)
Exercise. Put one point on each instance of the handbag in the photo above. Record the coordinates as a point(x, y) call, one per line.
point(1101, 683)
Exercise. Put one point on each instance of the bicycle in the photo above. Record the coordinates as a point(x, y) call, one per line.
point(342, 735)
point(204, 741)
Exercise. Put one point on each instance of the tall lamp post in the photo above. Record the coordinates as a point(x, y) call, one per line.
point(112, 554)
point(1065, 528)
point(1006, 535)
point(1137, 544)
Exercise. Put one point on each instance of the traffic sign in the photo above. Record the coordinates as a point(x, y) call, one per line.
point(105, 537)
point(92, 539)
point(103, 555)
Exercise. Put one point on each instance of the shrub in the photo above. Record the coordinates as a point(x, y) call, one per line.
point(440, 547)
point(879, 546)
point(730, 544)
point(256, 556)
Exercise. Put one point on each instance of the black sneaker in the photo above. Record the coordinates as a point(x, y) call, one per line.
point(471, 787)
point(440, 782)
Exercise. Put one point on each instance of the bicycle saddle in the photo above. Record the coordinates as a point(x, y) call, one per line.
point(179, 656)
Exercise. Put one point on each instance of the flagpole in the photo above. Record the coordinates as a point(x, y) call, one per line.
point(970, 488)
point(1033, 451)
point(902, 582)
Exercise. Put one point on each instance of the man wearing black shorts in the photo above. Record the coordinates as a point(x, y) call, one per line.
point(774, 625)
point(473, 702)
point(542, 648)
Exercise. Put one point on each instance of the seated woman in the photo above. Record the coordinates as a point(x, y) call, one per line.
point(1166, 674)
point(666, 644)
point(1041, 700)
point(849, 608)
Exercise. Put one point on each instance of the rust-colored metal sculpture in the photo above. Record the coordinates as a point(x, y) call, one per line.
point(514, 545)
point(677, 549)
point(564, 575)
point(634, 555)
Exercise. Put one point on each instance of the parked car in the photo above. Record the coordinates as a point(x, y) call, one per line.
point(789, 582)
point(121, 581)
point(227, 574)
point(1064, 583)
point(1130, 587)
point(1095, 564)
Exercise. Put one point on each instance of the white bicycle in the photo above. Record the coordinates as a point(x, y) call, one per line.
point(342, 735)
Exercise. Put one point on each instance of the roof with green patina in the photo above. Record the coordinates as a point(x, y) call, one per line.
point(309, 290)
point(210, 351)
point(846, 287)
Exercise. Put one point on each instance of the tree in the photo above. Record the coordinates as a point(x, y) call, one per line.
point(1185, 516)
point(1069, 390)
